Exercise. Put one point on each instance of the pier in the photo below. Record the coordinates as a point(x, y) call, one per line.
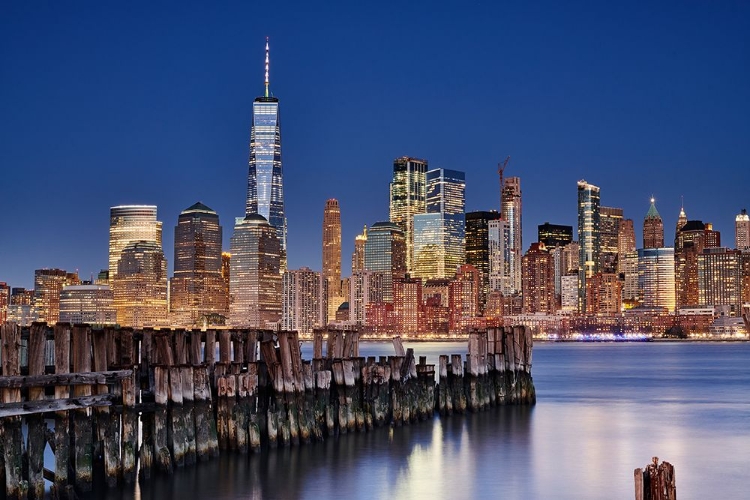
point(129, 404)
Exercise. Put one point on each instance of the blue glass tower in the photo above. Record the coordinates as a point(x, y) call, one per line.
point(265, 192)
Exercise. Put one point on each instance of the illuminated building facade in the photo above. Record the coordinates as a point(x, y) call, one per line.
point(265, 187)
point(48, 283)
point(4, 301)
point(197, 289)
point(510, 211)
point(89, 304)
point(438, 241)
point(254, 277)
point(128, 224)
point(589, 219)
point(407, 304)
point(332, 256)
point(366, 287)
point(304, 305)
point(477, 248)
point(692, 239)
point(604, 294)
point(656, 280)
point(569, 292)
point(628, 263)
point(681, 221)
point(720, 278)
point(408, 198)
point(463, 299)
point(140, 285)
point(653, 228)
point(610, 219)
point(358, 256)
point(500, 279)
point(742, 231)
point(538, 280)
point(625, 241)
point(385, 251)
point(554, 235)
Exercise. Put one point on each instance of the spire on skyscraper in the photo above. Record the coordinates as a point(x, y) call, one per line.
point(266, 81)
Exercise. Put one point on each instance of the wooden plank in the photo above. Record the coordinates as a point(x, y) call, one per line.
point(49, 405)
point(65, 379)
point(15, 485)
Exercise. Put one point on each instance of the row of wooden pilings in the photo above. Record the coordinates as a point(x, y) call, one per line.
point(101, 385)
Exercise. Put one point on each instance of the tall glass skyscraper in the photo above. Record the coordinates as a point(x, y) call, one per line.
point(385, 251)
point(407, 192)
point(477, 247)
point(128, 224)
point(510, 211)
point(265, 192)
point(589, 219)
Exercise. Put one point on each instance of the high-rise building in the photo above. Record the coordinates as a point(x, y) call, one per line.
point(358, 256)
point(500, 279)
point(140, 285)
point(408, 198)
point(625, 241)
point(478, 247)
point(589, 219)
point(128, 224)
point(332, 256)
point(407, 302)
point(656, 278)
point(681, 221)
point(653, 228)
point(90, 304)
point(385, 251)
point(569, 292)
point(604, 294)
point(226, 259)
point(554, 235)
point(438, 242)
point(609, 231)
point(692, 239)
point(48, 283)
point(742, 231)
point(367, 287)
point(538, 280)
point(510, 211)
point(254, 278)
point(265, 187)
point(631, 294)
point(720, 278)
point(197, 289)
point(303, 301)
point(463, 299)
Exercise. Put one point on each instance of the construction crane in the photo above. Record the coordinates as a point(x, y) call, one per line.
point(500, 170)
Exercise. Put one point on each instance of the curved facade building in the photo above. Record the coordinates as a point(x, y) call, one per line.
point(140, 286)
point(128, 224)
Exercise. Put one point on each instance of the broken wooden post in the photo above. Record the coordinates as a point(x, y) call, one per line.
point(129, 436)
point(82, 417)
point(161, 398)
point(36, 427)
point(655, 482)
point(15, 486)
point(62, 419)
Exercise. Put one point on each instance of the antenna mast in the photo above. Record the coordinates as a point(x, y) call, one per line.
point(266, 66)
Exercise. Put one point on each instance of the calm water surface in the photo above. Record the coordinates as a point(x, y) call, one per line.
point(602, 410)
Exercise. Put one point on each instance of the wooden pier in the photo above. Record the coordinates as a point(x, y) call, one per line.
point(101, 386)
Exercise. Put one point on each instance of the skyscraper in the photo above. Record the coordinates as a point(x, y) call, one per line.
point(358, 256)
point(463, 299)
point(694, 236)
point(48, 283)
point(609, 230)
point(140, 285)
point(304, 301)
point(332, 256)
point(92, 304)
point(254, 278)
point(538, 280)
point(656, 277)
point(742, 231)
point(128, 224)
point(438, 242)
point(510, 211)
point(478, 247)
point(499, 242)
point(554, 235)
point(265, 190)
point(407, 197)
point(589, 242)
point(653, 228)
point(197, 289)
point(385, 251)
point(681, 221)
point(720, 278)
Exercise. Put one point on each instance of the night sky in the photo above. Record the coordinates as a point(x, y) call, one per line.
point(104, 104)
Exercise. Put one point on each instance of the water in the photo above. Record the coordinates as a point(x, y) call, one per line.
point(602, 410)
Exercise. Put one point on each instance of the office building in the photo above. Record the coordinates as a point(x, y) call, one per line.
point(501, 279)
point(604, 294)
point(742, 231)
point(463, 299)
point(720, 278)
point(407, 304)
point(87, 304)
point(538, 280)
point(408, 198)
point(304, 303)
point(385, 251)
point(625, 241)
point(140, 286)
point(254, 276)
point(692, 239)
point(554, 235)
point(656, 280)
point(332, 256)
point(265, 186)
point(48, 283)
point(653, 228)
point(609, 231)
point(589, 219)
point(128, 224)
point(366, 288)
point(358, 256)
point(477, 248)
point(510, 211)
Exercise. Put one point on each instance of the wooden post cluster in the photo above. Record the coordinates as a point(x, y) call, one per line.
point(196, 393)
point(656, 481)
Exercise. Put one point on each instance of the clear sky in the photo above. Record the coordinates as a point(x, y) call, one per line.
point(108, 103)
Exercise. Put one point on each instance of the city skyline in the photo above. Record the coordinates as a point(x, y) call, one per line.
point(119, 127)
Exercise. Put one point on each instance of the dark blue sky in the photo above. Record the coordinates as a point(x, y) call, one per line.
point(103, 105)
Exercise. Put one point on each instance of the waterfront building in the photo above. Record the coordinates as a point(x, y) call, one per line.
point(304, 301)
point(625, 242)
point(569, 292)
point(332, 256)
point(254, 277)
point(609, 232)
point(366, 287)
point(197, 289)
point(90, 304)
point(128, 224)
point(554, 235)
point(692, 239)
point(656, 280)
point(604, 294)
point(407, 198)
point(538, 280)
point(48, 283)
point(265, 186)
point(510, 211)
point(463, 299)
point(653, 228)
point(589, 219)
point(500, 278)
point(140, 286)
point(358, 256)
point(742, 231)
point(438, 241)
point(477, 249)
point(720, 278)
point(385, 251)
point(407, 304)
point(628, 264)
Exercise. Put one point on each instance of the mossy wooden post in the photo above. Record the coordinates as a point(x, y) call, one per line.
point(62, 419)
point(107, 423)
point(15, 486)
point(241, 411)
point(161, 398)
point(396, 385)
point(288, 395)
point(299, 388)
point(458, 395)
point(176, 434)
point(36, 426)
point(231, 403)
point(188, 412)
point(206, 439)
point(254, 418)
point(445, 407)
point(129, 437)
point(318, 343)
point(82, 419)
point(324, 412)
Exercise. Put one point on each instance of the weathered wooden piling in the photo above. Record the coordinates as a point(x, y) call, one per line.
point(62, 420)
point(36, 427)
point(15, 486)
point(161, 426)
point(82, 417)
point(656, 481)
